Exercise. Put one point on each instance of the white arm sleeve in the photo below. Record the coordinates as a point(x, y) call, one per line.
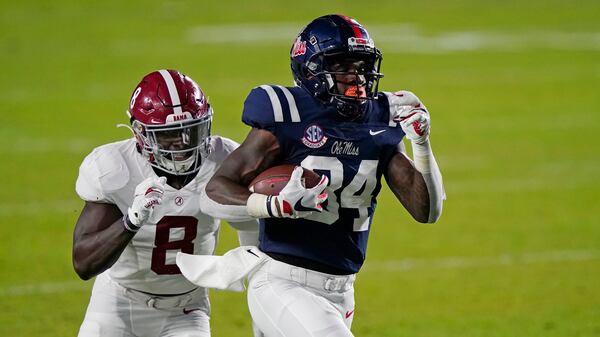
point(229, 213)
point(426, 164)
point(247, 232)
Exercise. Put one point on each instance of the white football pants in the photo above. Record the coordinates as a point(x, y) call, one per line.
point(289, 301)
point(115, 311)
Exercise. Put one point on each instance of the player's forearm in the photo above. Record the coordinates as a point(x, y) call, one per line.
point(226, 194)
point(225, 200)
point(410, 189)
point(227, 191)
point(95, 252)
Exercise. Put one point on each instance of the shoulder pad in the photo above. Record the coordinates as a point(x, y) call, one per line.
point(221, 147)
point(389, 99)
point(102, 173)
point(270, 104)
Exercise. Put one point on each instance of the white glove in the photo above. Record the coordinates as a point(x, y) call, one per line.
point(412, 116)
point(295, 200)
point(148, 194)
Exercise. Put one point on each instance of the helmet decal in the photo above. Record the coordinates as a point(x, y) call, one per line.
point(134, 96)
point(299, 47)
point(175, 102)
point(354, 24)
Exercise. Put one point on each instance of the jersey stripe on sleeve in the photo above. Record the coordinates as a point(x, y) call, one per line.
point(277, 109)
point(291, 104)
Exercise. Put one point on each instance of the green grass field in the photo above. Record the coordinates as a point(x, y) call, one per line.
point(513, 89)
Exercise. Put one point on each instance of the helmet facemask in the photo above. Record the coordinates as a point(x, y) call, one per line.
point(352, 79)
point(176, 147)
point(356, 71)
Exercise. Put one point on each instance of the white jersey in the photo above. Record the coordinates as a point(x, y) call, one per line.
point(110, 174)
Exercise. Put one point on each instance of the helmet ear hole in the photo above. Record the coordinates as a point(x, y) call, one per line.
point(318, 87)
point(322, 91)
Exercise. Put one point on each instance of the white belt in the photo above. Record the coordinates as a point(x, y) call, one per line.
point(311, 278)
point(161, 302)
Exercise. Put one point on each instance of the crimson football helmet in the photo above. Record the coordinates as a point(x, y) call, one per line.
point(320, 47)
point(171, 121)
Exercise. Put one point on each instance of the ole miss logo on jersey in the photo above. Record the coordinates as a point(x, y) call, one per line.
point(314, 136)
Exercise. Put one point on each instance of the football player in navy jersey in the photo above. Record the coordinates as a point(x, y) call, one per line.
point(337, 123)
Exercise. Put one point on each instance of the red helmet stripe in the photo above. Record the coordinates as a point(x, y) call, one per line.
point(173, 93)
point(354, 25)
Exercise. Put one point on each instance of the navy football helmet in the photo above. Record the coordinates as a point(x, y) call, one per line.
point(321, 47)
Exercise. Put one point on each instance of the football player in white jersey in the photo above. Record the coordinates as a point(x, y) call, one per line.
point(142, 207)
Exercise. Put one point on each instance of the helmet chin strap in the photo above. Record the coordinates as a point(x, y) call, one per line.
point(126, 126)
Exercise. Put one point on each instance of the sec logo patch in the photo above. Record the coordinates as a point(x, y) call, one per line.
point(314, 137)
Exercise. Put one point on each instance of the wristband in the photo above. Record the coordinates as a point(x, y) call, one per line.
point(422, 156)
point(259, 205)
point(129, 226)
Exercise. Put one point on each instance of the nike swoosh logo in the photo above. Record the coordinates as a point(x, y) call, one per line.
point(251, 252)
point(299, 207)
point(349, 313)
point(185, 311)
point(373, 133)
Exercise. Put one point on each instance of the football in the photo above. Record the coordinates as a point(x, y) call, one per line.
point(273, 180)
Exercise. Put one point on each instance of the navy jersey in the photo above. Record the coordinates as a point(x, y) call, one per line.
point(354, 155)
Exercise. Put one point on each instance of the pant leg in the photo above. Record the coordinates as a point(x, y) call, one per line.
point(109, 313)
point(192, 320)
point(284, 308)
point(189, 323)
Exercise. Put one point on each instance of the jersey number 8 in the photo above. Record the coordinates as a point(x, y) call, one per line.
point(189, 226)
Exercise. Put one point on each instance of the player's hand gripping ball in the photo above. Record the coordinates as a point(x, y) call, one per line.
point(273, 180)
point(294, 192)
